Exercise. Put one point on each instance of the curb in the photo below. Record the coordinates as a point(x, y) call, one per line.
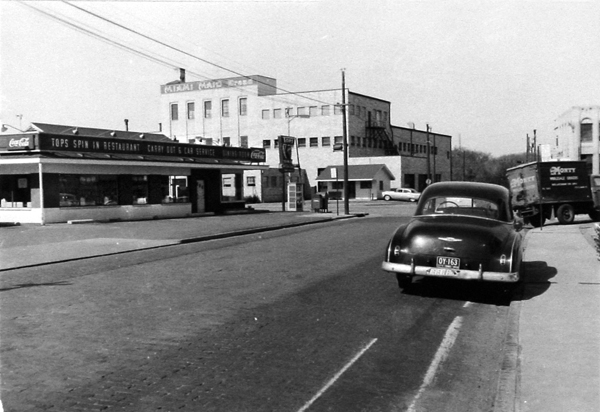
point(224, 235)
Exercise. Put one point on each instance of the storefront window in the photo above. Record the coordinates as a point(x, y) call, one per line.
point(231, 188)
point(88, 190)
point(15, 191)
point(139, 190)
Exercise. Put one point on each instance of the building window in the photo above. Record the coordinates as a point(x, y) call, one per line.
point(325, 141)
point(277, 113)
point(139, 190)
point(337, 109)
point(275, 143)
point(338, 140)
point(207, 109)
point(231, 187)
point(302, 111)
point(225, 108)
point(314, 142)
point(243, 106)
point(250, 181)
point(88, 190)
point(366, 185)
point(266, 144)
point(289, 111)
point(325, 110)
point(243, 141)
point(381, 185)
point(274, 182)
point(174, 111)
point(352, 140)
point(15, 191)
point(265, 114)
point(226, 141)
point(313, 111)
point(191, 107)
point(337, 185)
point(301, 142)
point(351, 109)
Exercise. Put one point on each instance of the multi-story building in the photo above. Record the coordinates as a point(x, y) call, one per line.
point(578, 136)
point(252, 112)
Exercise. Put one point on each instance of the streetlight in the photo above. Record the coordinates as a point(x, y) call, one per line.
point(5, 127)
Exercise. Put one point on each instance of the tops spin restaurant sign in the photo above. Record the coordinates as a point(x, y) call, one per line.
point(84, 144)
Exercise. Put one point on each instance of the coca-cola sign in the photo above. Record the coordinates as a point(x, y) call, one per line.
point(19, 143)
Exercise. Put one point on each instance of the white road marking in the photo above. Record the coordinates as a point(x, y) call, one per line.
point(337, 376)
point(438, 359)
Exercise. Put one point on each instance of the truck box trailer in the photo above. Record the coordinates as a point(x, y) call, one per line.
point(564, 189)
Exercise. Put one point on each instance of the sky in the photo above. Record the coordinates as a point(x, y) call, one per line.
point(485, 72)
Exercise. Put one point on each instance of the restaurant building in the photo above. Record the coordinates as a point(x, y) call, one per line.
point(56, 173)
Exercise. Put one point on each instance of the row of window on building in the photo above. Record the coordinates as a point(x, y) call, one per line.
point(208, 109)
point(380, 116)
point(356, 141)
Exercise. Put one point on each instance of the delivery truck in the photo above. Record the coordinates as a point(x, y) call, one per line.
point(563, 189)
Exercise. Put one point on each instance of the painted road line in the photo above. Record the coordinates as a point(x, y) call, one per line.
point(337, 376)
point(438, 359)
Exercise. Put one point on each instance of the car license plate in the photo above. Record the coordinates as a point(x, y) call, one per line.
point(448, 262)
point(441, 272)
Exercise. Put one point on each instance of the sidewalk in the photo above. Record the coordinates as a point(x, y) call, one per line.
point(32, 245)
point(558, 322)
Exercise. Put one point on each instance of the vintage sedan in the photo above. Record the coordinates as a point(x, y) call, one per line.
point(408, 195)
point(460, 230)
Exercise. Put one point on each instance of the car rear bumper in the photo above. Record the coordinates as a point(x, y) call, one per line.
point(451, 274)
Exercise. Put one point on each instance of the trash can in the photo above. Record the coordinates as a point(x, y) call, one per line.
point(319, 203)
point(316, 201)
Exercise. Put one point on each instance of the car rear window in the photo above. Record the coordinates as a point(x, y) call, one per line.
point(463, 206)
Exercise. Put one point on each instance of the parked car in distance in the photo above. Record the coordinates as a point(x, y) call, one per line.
point(67, 199)
point(409, 195)
point(460, 230)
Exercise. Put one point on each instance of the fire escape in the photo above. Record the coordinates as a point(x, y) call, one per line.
point(376, 131)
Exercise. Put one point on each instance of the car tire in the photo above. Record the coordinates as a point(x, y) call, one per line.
point(594, 215)
point(386, 197)
point(535, 221)
point(404, 281)
point(565, 214)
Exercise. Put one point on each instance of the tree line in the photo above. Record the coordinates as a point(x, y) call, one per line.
point(473, 166)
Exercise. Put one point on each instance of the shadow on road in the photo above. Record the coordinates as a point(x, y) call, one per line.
point(468, 291)
point(535, 281)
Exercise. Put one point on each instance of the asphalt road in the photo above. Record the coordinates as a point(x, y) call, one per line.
point(292, 320)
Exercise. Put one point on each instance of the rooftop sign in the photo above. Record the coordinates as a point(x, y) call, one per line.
point(207, 84)
point(100, 145)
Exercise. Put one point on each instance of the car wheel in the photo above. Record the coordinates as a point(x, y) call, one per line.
point(404, 281)
point(565, 214)
point(386, 197)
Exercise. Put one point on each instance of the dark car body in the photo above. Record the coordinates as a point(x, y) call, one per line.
point(460, 230)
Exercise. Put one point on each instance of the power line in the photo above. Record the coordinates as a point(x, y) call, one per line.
point(183, 51)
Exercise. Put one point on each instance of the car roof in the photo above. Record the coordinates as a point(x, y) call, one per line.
point(467, 189)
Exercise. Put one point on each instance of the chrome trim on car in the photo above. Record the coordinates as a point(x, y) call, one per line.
point(458, 273)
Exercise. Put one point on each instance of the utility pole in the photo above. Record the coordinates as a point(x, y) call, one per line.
point(428, 158)
point(345, 143)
